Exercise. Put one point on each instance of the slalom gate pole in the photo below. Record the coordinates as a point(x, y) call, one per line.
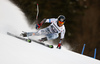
point(83, 49)
point(95, 53)
point(37, 14)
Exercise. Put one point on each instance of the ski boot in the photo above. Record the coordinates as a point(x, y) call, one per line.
point(24, 34)
point(43, 39)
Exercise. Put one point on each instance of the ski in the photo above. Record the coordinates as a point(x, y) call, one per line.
point(29, 40)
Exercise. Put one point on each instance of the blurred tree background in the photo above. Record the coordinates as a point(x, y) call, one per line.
point(82, 20)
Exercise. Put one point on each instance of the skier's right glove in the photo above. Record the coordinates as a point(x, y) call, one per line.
point(38, 25)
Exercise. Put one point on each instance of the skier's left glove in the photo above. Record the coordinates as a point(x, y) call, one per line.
point(38, 25)
point(59, 46)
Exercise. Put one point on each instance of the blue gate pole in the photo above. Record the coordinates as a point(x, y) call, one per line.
point(83, 48)
point(95, 53)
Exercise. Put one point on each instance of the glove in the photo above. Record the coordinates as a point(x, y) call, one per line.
point(38, 25)
point(59, 46)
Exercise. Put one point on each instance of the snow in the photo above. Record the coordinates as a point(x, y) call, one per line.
point(11, 18)
point(16, 51)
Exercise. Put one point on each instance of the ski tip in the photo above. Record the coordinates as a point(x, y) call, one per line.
point(8, 33)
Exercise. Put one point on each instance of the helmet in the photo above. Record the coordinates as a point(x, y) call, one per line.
point(61, 18)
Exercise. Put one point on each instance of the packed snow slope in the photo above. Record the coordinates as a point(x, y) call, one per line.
point(16, 51)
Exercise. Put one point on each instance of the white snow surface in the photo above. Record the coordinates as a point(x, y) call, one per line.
point(16, 51)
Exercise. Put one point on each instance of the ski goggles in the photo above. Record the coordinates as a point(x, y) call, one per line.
point(61, 22)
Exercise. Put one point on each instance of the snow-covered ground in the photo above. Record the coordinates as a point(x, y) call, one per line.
point(16, 51)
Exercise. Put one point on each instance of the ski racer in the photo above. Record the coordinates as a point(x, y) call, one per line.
point(52, 31)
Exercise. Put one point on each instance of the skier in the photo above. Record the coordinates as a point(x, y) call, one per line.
point(52, 31)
